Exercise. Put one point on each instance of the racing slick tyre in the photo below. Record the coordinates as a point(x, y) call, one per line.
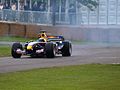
point(16, 46)
point(50, 50)
point(67, 49)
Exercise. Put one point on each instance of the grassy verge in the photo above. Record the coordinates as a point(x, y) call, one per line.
point(5, 51)
point(15, 39)
point(83, 77)
point(21, 39)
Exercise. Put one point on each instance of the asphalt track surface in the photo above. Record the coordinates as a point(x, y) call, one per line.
point(81, 55)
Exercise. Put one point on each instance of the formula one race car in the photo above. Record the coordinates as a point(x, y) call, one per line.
point(46, 46)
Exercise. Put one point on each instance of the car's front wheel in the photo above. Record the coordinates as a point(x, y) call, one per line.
point(14, 49)
point(50, 50)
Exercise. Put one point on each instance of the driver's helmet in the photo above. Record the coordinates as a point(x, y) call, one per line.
point(41, 40)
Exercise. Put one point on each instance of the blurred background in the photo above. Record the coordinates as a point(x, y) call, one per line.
point(61, 12)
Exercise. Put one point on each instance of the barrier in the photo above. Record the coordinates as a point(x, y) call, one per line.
point(103, 33)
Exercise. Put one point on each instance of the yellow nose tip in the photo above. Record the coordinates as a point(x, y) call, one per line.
point(29, 47)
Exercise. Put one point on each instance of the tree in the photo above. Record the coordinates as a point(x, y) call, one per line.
point(91, 4)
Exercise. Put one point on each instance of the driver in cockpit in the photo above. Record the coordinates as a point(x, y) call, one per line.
point(42, 37)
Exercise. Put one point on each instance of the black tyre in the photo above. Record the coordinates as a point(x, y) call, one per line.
point(67, 49)
point(50, 50)
point(16, 46)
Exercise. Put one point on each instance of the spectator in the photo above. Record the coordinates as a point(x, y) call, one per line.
point(21, 6)
point(72, 14)
point(6, 6)
point(35, 6)
point(42, 14)
point(6, 11)
point(42, 7)
point(13, 7)
point(26, 7)
point(21, 12)
point(1, 8)
point(26, 13)
point(35, 14)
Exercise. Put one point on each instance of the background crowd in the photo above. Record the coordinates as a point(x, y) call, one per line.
point(21, 12)
point(36, 6)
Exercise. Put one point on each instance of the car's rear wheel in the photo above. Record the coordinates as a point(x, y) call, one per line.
point(67, 49)
point(50, 50)
point(14, 49)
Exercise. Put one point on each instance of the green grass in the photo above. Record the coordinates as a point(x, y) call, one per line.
point(15, 39)
point(83, 77)
point(22, 39)
point(5, 51)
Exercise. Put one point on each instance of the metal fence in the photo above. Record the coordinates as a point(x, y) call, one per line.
point(34, 17)
point(37, 17)
point(108, 12)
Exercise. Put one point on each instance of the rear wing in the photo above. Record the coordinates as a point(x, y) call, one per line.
point(55, 38)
